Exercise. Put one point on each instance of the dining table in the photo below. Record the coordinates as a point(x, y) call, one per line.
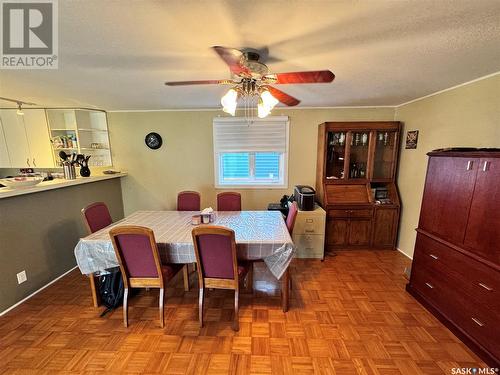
point(259, 235)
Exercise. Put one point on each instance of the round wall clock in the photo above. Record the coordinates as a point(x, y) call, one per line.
point(153, 141)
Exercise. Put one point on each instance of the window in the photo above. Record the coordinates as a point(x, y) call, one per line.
point(251, 155)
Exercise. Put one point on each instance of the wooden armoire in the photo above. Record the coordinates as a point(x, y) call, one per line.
point(355, 183)
point(456, 263)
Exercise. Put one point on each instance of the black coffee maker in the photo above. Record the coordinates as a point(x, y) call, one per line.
point(304, 196)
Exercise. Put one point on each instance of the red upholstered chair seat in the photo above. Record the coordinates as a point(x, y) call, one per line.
point(188, 201)
point(140, 263)
point(243, 269)
point(218, 267)
point(97, 216)
point(170, 270)
point(229, 201)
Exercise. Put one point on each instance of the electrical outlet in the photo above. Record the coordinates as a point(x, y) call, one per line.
point(21, 277)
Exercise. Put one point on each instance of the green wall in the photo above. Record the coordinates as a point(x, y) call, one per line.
point(466, 116)
point(39, 231)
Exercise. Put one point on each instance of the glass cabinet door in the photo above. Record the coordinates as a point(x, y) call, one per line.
point(335, 155)
point(384, 158)
point(358, 154)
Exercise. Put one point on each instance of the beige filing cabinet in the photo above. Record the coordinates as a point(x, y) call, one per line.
point(309, 233)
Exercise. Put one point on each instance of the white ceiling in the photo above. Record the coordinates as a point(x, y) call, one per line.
point(116, 55)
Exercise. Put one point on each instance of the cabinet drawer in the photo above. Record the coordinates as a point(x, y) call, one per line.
point(435, 289)
point(367, 213)
point(356, 212)
point(309, 246)
point(478, 322)
point(309, 224)
point(476, 280)
point(338, 213)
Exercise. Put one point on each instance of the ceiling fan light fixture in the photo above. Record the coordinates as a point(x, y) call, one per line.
point(229, 101)
point(19, 109)
point(268, 100)
point(262, 109)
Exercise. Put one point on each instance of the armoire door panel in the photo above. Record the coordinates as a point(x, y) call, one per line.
point(482, 236)
point(447, 196)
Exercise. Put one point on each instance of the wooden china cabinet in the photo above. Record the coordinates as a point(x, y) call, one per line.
point(355, 183)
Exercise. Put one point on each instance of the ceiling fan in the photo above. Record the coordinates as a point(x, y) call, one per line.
point(251, 80)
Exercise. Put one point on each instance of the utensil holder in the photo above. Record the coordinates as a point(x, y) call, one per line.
point(69, 171)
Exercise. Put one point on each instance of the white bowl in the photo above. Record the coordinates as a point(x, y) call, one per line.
point(20, 182)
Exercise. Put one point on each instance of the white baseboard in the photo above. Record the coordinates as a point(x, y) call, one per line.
point(36, 291)
point(402, 252)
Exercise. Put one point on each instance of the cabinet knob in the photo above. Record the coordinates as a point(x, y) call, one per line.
point(486, 166)
point(434, 256)
point(489, 289)
point(478, 322)
point(429, 285)
point(469, 165)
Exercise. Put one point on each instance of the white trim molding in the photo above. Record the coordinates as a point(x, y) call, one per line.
point(448, 89)
point(36, 292)
point(402, 252)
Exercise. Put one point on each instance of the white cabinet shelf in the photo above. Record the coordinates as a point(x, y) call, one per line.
point(87, 129)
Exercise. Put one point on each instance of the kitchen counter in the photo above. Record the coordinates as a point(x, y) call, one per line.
point(56, 184)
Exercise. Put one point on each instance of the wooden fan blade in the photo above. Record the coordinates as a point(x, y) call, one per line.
point(232, 57)
point(315, 76)
point(203, 82)
point(283, 97)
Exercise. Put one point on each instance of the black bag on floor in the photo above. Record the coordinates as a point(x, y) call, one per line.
point(111, 289)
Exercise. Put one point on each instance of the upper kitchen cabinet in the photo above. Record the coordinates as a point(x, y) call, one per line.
point(80, 131)
point(37, 133)
point(26, 138)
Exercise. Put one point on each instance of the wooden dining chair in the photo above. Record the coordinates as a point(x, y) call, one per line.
point(95, 217)
point(229, 201)
point(218, 268)
point(292, 215)
point(188, 201)
point(140, 263)
point(290, 223)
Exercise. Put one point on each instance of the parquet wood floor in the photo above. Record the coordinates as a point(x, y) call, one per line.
point(349, 315)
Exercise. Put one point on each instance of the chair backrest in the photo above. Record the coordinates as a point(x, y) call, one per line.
point(215, 249)
point(136, 251)
point(292, 215)
point(96, 216)
point(229, 201)
point(188, 201)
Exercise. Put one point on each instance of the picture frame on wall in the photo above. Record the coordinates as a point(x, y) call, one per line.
point(411, 139)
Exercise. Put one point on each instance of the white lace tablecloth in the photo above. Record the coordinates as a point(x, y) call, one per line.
point(259, 235)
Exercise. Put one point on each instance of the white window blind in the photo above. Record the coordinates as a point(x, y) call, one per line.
point(251, 155)
point(233, 134)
